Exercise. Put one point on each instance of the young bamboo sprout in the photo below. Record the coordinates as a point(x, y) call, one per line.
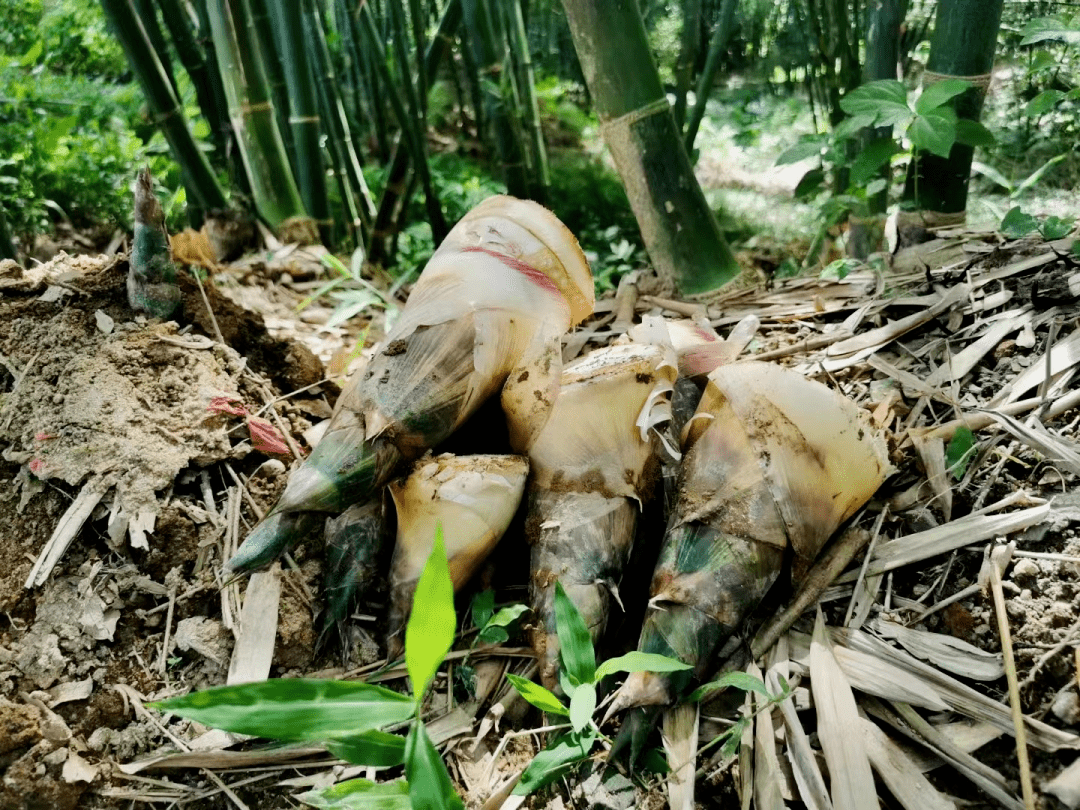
point(355, 540)
point(472, 498)
point(506, 282)
point(151, 281)
point(771, 459)
point(594, 461)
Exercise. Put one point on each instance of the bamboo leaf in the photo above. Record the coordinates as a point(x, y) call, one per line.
point(429, 783)
point(564, 754)
point(958, 453)
point(940, 93)
point(640, 662)
point(377, 749)
point(295, 709)
point(483, 605)
point(360, 794)
point(740, 680)
point(1043, 103)
point(537, 695)
point(574, 640)
point(1037, 175)
point(430, 631)
point(582, 706)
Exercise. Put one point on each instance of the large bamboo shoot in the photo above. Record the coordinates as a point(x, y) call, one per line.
point(504, 284)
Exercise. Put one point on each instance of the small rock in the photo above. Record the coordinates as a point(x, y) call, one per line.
point(1025, 571)
point(1016, 610)
point(1060, 614)
point(1066, 707)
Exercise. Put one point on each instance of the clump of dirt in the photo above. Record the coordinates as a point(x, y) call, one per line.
point(94, 398)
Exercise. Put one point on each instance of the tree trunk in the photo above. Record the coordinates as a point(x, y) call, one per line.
point(965, 35)
point(681, 235)
point(883, 21)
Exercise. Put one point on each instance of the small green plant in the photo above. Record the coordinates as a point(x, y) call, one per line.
point(929, 123)
point(729, 739)
point(494, 627)
point(960, 451)
point(347, 717)
point(579, 678)
point(1018, 223)
point(357, 293)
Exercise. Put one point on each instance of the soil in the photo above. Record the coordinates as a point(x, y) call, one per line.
point(145, 430)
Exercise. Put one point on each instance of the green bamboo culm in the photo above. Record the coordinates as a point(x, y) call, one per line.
point(397, 183)
point(681, 235)
point(488, 51)
point(287, 22)
point(688, 50)
point(883, 21)
point(965, 36)
point(251, 110)
point(199, 179)
point(721, 35)
point(362, 207)
point(539, 179)
point(416, 127)
point(207, 82)
point(413, 140)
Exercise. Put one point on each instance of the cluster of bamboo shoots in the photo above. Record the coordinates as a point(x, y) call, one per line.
point(768, 459)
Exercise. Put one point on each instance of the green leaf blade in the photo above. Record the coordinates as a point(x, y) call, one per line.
point(376, 749)
point(430, 787)
point(537, 695)
point(563, 755)
point(959, 451)
point(640, 662)
point(935, 131)
point(885, 101)
point(429, 633)
point(295, 709)
point(738, 680)
point(940, 93)
point(575, 643)
point(1017, 223)
point(360, 794)
point(582, 706)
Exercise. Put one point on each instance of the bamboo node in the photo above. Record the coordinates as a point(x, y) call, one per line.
point(980, 81)
point(303, 119)
point(627, 120)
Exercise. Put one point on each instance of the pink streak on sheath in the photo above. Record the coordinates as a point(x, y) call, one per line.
point(530, 272)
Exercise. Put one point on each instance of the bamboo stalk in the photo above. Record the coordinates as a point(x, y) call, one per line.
point(519, 46)
point(199, 179)
point(339, 128)
point(681, 235)
point(415, 124)
point(207, 83)
point(717, 44)
point(488, 54)
point(684, 68)
point(286, 20)
point(252, 113)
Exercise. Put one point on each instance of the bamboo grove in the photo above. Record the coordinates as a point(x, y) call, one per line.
point(308, 101)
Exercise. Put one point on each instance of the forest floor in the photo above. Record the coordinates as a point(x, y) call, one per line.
point(129, 472)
